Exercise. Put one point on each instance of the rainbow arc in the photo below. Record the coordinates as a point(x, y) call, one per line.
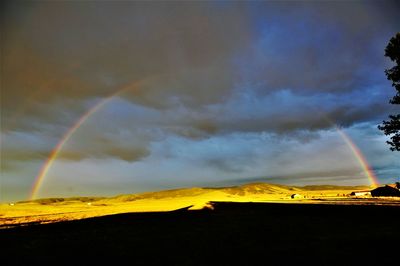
point(41, 177)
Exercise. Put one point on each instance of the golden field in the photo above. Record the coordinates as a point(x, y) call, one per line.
point(64, 209)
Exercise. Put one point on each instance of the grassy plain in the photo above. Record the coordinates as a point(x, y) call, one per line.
point(65, 209)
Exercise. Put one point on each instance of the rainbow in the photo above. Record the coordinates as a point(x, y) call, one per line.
point(57, 149)
point(369, 173)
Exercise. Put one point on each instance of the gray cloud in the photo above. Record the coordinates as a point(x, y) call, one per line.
point(60, 50)
point(203, 69)
point(192, 53)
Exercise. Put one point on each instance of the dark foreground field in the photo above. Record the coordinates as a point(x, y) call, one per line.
point(232, 234)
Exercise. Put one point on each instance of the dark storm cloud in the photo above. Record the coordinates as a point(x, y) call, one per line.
point(68, 49)
point(195, 63)
point(58, 50)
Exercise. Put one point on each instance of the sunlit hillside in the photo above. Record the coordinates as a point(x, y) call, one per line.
point(60, 209)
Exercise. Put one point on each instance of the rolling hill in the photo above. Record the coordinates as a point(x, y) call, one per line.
point(61, 209)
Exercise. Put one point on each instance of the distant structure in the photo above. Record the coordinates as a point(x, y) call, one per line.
point(392, 190)
point(361, 193)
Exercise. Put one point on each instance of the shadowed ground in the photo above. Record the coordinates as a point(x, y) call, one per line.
point(233, 233)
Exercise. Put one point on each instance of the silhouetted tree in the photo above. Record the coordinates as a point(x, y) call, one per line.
point(392, 127)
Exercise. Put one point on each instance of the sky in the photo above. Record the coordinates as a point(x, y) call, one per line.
point(180, 94)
